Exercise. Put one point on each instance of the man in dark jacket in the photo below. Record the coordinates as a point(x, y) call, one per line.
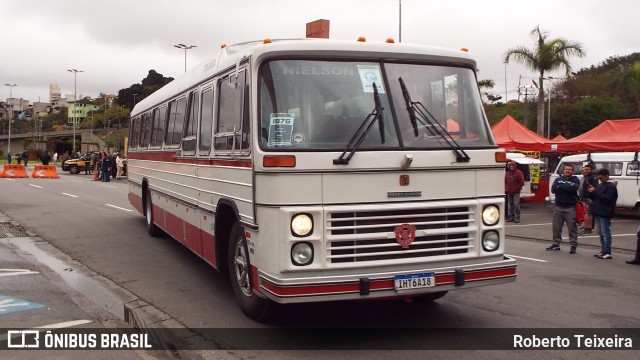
point(588, 179)
point(604, 206)
point(565, 188)
point(513, 183)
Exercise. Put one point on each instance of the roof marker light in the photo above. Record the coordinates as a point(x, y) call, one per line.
point(266, 41)
point(390, 41)
point(464, 49)
point(362, 39)
point(223, 45)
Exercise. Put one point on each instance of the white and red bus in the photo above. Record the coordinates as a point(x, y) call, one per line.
point(319, 170)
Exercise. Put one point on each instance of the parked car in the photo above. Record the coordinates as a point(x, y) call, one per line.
point(74, 166)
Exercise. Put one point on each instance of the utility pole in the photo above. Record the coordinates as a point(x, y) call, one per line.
point(10, 113)
point(75, 103)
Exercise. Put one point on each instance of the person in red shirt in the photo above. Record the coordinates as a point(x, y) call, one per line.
point(513, 183)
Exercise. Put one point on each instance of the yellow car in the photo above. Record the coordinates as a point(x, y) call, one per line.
point(74, 166)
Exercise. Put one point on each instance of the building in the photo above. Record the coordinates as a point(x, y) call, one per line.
point(54, 94)
point(79, 111)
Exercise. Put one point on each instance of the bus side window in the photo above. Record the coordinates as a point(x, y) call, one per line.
point(145, 132)
point(134, 132)
point(190, 125)
point(206, 121)
point(177, 114)
point(158, 126)
point(230, 126)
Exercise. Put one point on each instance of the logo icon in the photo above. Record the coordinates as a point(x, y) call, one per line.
point(405, 234)
point(404, 180)
point(23, 339)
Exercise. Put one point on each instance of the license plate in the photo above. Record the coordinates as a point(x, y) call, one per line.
point(413, 281)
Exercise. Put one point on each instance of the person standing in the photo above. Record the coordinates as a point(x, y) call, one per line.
point(636, 259)
point(25, 157)
point(565, 188)
point(604, 198)
point(119, 165)
point(55, 158)
point(9, 157)
point(513, 183)
point(45, 157)
point(106, 166)
point(588, 179)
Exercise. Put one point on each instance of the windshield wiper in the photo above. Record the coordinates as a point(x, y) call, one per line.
point(417, 112)
point(364, 128)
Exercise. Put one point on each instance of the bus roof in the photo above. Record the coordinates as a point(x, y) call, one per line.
point(602, 156)
point(229, 56)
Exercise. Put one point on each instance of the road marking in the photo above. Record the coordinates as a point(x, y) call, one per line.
point(75, 196)
point(109, 186)
point(64, 324)
point(12, 272)
point(118, 207)
point(9, 305)
point(36, 186)
point(526, 258)
point(9, 179)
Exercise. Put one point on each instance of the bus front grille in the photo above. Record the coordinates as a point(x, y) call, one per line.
point(370, 235)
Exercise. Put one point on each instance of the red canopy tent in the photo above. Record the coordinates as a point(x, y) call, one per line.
point(611, 135)
point(510, 134)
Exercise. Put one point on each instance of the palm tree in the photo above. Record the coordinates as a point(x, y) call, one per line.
point(546, 56)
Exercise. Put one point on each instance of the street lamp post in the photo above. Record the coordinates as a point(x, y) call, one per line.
point(185, 48)
point(134, 99)
point(75, 103)
point(9, 117)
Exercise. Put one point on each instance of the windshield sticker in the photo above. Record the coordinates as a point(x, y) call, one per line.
point(370, 74)
point(280, 129)
point(298, 138)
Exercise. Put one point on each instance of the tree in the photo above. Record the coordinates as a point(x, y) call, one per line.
point(547, 55)
point(132, 95)
point(486, 85)
point(629, 83)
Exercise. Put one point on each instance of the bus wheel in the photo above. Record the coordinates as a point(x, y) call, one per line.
point(430, 297)
point(252, 305)
point(152, 229)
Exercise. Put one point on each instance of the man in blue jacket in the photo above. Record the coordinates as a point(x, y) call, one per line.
point(604, 205)
point(565, 188)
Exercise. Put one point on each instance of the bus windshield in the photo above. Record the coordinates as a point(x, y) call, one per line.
point(319, 105)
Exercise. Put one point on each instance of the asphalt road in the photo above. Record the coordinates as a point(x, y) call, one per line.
point(92, 224)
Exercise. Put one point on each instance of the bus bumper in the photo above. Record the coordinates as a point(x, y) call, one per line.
point(381, 285)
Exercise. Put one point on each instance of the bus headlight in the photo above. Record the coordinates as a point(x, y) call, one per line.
point(302, 253)
point(490, 215)
point(490, 241)
point(301, 225)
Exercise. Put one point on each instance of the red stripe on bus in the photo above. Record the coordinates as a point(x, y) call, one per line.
point(374, 285)
point(171, 156)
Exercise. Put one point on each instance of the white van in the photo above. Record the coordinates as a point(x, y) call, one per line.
point(623, 169)
point(530, 167)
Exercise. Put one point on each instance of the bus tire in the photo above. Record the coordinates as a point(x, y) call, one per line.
point(252, 305)
point(152, 229)
point(427, 298)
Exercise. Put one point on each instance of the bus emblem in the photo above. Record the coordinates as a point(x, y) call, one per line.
point(405, 234)
point(404, 180)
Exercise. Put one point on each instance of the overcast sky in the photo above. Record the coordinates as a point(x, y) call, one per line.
point(117, 42)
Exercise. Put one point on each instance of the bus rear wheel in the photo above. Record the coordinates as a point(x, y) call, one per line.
point(152, 229)
point(252, 305)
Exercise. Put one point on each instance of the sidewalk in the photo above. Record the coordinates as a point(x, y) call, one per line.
point(34, 297)
point(536, 220)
